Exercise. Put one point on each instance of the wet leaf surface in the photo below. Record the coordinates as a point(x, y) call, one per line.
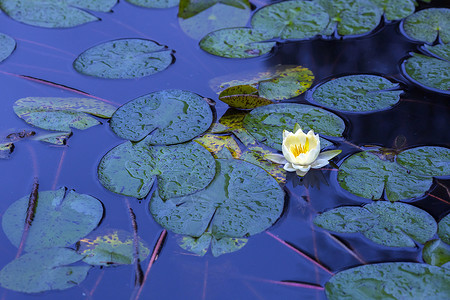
point(243, 97)
point(426, 160)
point(390, 224)
point(190, 8)
point(396, 9)
point(7, 46)
point(155, 3)
point(444, 229)
point(426, 25)
point(436, 253)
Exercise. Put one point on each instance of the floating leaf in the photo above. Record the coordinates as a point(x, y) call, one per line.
point(167, 117)
point(231, 120)
point(7, 45)
point(242, 200)
point(444, 229)
point(61, 114)
point(427, 25)
point(131, 169)
point(44, 270)
point(215, 143)
point(55, 14)
point(238, 42)
point(267, 123)
point(290, 20)
point(61, 219)
point(399, 280)
point(395, 9)
point(5, 150)
point(426, 160)
point(441, 51)
point(110, 248)
point(390, 224)
point(243, 97)
point(357, 93)
point(351, 17)
point(256, 156)
point(436, 253)
point(207, 16)
point(124, 59)
point(155, 3)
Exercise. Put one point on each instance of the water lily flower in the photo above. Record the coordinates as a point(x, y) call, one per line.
point(301, 152)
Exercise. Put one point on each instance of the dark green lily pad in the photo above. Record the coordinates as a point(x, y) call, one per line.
point(427, 25)
point(243, 97)
point(267, 123)
point(131, 169)
point(290, 20)
point(124, 59)
point(369, 174)
point(61, 114)
point(242, 200)
point(436, 253)
point(213, 15)
point(444, 229)
point(110, 248)
point(44, 270)
point(357, 93)
point(155, 3)
point(441, 51)
point(166, 117)
point(55, 14)
point(7, 46)
point(61, 219)
point(396, 9)
point(238, 42)
point(390, 224)
point(200, 245)
point(399, 280)
point(351, 17)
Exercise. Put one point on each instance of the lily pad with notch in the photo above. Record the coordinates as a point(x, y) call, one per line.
point(243, 97)
point(164, 117)
point(44, 270)
point(427, 25)
point(390, 224)
point(8, 44)
point(356, 93)
point(61, 219)
point(155, 3)
point(124, 59)
point(131, 169)
point(396, 9)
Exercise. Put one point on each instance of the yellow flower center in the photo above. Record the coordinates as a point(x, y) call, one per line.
point(299, 149)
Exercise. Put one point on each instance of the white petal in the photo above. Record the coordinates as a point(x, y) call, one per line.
point(301, 168)
point(301, 173)
point(286, 134)
point(329, 154)
point(288, 167)
point(319, 163)
point(276, 158)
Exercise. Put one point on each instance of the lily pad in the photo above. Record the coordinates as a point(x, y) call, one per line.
point(238, 42)
point(44, 270)
point(124, 59)
point(241, 201)
point(243, 97)
point(290, 20)
point(369, 174)
point(357, 93)
point(436, 253)
point(55, 14)
point(441, 51)
point(190, 8)
point(351, 17)
point(110, 248)
point(267, 123)
point(427, 25)
point(396, 9)
point(155, 3)
point(444, 229)
point(131, 169)
point(7, 46)
point(61, 114)
point(61, 219)
point(398, 280)
point(390, 224)
point(166, 117)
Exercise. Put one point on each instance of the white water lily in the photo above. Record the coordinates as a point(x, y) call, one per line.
point(301, 152)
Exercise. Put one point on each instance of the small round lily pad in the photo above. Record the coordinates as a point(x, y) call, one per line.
point(7, 46)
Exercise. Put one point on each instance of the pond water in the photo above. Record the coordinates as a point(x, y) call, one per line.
point(271, 265)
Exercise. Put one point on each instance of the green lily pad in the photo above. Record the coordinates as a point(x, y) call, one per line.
point(441, 51)
point(124, 59)
point(7, 46)
point(44, 270)
point(398, 280)
point(357, 93)
point(238, 42)
point(444, 229)
point(214, 15)
point(351, 17)
point(436, 253)
point(243, 97)
point(267, 123)
point(131, 169)
point(427, 25)
point(61, 114)
point(290, 20)
point(55, 14)
point(369, 174)
point(166, 117)
point(61, 219)
point(396, 9)
point(241, 201)
point(390, 224)
point(110, 248)
point(155, 3)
